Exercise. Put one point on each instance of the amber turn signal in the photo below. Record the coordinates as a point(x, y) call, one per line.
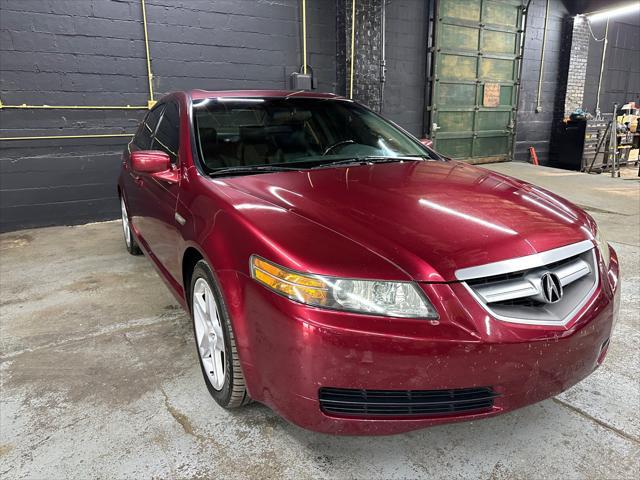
point(303, 288)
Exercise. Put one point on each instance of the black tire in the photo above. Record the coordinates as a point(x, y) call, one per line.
point(233, 393)
point(129, 240)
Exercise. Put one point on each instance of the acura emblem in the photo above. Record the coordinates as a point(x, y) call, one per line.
point(551, 288)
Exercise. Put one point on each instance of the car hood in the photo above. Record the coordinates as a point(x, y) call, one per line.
point(429, 218)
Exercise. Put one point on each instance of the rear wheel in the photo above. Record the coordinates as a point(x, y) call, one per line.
point(215, 342)
point(129, 240)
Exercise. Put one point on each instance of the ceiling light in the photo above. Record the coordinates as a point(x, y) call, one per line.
point(614, 12)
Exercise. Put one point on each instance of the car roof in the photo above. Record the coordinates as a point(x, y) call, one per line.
point(201, 94)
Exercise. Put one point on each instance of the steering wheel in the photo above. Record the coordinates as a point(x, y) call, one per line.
point(336, 145)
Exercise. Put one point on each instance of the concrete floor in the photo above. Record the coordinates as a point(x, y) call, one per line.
point(100, 378)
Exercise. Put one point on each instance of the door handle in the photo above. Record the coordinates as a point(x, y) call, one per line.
point(179, 218)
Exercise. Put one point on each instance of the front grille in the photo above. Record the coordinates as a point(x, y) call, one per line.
point(518, 296)
point(344, 401)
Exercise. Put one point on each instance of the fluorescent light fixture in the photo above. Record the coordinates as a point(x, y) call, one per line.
point(240, 100)
point(614, 12)
point(205, 101)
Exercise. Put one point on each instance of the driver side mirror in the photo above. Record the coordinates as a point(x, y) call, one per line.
point(150, 161)
point(427, 142)
point(156, 163)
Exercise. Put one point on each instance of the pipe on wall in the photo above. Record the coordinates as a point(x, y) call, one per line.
point(353, 46)
point(428, 72)
point(151, 101)
point(544, 44)
point(383, 51)
point(523, 36)
point(65, 137)
point(304, 36)
point(25, 106)
point(604, 56)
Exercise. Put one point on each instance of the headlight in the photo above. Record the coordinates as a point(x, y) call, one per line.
point(392, 299)
point(603, 246)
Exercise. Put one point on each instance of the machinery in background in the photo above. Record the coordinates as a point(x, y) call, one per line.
point(590, 145)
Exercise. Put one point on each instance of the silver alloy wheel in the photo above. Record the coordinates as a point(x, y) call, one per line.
point(209, 336)
point(125, 223)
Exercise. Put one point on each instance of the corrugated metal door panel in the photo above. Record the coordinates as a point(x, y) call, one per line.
point(475, 77)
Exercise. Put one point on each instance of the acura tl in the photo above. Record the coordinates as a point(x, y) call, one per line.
point(343, 273)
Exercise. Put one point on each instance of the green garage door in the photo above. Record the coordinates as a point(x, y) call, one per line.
point(475, 78)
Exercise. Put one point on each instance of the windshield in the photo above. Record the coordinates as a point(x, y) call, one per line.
point(234, 133)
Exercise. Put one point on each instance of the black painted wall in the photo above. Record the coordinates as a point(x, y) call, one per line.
point(536, 128)
point(621, 81)
point(91, 52)
point(621, 77)
point(405, 57)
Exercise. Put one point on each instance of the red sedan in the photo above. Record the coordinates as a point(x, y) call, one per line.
point(344, 274)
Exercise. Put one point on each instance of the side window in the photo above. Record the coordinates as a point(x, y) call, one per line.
point(168, 134)
point(142, 139)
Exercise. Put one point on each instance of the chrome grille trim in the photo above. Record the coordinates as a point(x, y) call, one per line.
point(507, 290)
point(524, 263)
point(515, 296)
point(530, 285)
point(573, 271)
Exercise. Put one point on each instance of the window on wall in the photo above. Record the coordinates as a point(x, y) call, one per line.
point(167, 136)
point(144, 135)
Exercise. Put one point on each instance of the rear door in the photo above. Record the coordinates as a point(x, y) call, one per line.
point(160, 197)
point(475, 78)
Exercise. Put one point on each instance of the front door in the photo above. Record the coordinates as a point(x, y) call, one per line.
point(160, 227)
point(134, 183)
point(476, 63)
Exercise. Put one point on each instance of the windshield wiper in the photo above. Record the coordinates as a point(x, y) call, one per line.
point(248, 169)
point(371, 159)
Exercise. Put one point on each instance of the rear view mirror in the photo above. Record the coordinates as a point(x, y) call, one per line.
point(150, 161)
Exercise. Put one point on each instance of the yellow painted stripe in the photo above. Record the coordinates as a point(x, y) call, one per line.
point(146, 46)
point(75, 107)
point(304, 36)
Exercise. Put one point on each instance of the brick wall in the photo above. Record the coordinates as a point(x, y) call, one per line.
point(577, 65)
point(91, 52)
point(366, 82)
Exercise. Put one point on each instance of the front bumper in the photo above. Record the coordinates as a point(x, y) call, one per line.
point(289, 351)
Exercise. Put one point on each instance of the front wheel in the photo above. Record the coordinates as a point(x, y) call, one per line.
point(215, 341)
point(129, 240)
